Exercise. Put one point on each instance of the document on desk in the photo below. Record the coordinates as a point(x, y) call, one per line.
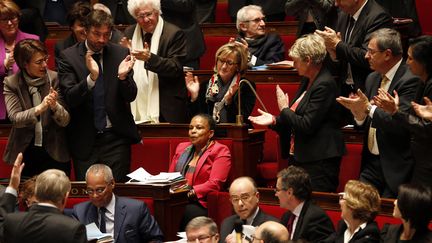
point(93, 233)
point(141, 176)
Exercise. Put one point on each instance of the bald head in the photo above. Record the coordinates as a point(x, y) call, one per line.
point(244, 197)
point(272, 232)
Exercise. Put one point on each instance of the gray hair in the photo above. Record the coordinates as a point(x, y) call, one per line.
point(102, 7)
point(309, 46)
point(202, 221)
point(100, 168)
point(52, 186)
point(387, 38)
point(244, 15)
point(133, 5)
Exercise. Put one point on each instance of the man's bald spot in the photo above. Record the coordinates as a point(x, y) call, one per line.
point(244, 180)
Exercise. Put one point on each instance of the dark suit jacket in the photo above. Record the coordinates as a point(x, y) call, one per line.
point(370, 234)
point(313, 224)
point(112, 5)
point(421, 133)
point(393, 140)
point(228, 223)
point(41, 224)
point(315, 122)
point(267, 49)
point(20, 109)
point(269, 7)
point(118, 94)
point(390, 233)
point(132, 220)
point(168, 64)
point(183, 15)
point(371, 18)
point(40, 4)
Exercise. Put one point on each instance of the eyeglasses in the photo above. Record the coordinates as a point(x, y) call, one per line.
point(257, 20)
point(202, 238)
point(13, 20)
point(226, 61)
point(372, 52)
point(98, 191)
point(41, 61)
point(341, 196)
point(145, 15)
point(243, 197)
point(97, 34)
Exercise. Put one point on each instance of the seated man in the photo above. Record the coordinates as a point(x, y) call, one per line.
point(244, 197)
point(44, 222)
point(263, 47)
point(203, 229)
point(271, 232)
point(304, 219)
point(128, 220)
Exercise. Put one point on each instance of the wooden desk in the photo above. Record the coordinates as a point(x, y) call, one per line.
point(247, 146)
point(262, 76)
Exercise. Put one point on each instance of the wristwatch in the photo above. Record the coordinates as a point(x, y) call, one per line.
point(368, 109)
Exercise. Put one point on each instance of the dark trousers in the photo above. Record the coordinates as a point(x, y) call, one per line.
point(192, 210)
point(372, 173)
point(37, 160)
point(108, 149)
point(324, 174)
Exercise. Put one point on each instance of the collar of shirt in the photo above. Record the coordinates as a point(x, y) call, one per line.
point(47, 205)
point(391, 73)
point(357, 14)
point(252, 217)
point(348, 236)
point(111, 205)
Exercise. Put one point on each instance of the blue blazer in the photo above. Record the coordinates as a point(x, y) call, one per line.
point(132, 220)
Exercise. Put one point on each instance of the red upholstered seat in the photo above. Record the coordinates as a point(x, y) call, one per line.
point(212, 43)
point(222, 15)
point(5, 169)
point(350, 165)
point(153, 154)
point(219, 206)
point(288, 40)
point(423, 11)
point(50, 45)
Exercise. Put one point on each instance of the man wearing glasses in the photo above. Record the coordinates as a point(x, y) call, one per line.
point(202, 230)
point(127, 220)
point(244, 197)
point(304, 220)
point(263, 48)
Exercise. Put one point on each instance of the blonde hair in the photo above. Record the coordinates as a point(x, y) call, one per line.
point(239, 52)
point(8, 9)
point(363, 199)
point(309, 46)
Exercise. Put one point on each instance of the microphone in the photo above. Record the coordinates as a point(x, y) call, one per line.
point(239, 117)
point(238, 227)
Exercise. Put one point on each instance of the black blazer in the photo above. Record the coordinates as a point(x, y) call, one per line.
point(393, 140)
point(168, 64)
point(118, 94)
point(371, 18)
point(41, 224)
point(315, 122)
point(390, 233)
point(228, 224)
point(370, 234)
point(313, 223)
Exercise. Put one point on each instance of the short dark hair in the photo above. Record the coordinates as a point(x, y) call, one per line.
point(270, 237)
point(79, 11)
point(98, 18)
point(387, 38)
point(415, 205)
point(25, 49)
point(421, 48)
point(211, 122)
point(298, 179)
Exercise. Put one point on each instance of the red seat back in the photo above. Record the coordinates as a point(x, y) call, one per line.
point(222, 15)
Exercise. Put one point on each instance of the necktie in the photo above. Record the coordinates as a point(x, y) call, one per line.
point(99, 98)
point(36, 98)
point(372, 131)
point(102, 225)
point(290, 225)
point(351, 24)
point(147, 38)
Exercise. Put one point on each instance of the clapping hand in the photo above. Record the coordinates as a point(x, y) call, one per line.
point(142, 55)
point(282, 98)
point(92, 65)
point(423, 111)
point(192, 85)
point(356, 103)
point(17, 168)
point(125, 42)
point(51, 98)
point(125, 67)
point(264, 119)
point(386, 102)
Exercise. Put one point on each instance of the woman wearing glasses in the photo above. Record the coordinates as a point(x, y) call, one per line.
point(359, 204)
point(9, 36)
point(218, 97)
point(36, 111)
point(414, 207)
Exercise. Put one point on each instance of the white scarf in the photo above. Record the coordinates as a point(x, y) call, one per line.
point(145, 108)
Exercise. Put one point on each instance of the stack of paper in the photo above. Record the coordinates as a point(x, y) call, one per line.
point(141, 176)
point(95, 235)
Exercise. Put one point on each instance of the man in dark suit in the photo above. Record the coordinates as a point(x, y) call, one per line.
point(160, 50)
point(97, 85)
point(43, 222)
point(127, 220)
point(274, 10)
point(386, 158)
point(244, 197)
point(347, 44)
point(304, 219)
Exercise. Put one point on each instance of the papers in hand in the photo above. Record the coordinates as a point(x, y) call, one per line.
point(141, 176)
point(93, 233)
